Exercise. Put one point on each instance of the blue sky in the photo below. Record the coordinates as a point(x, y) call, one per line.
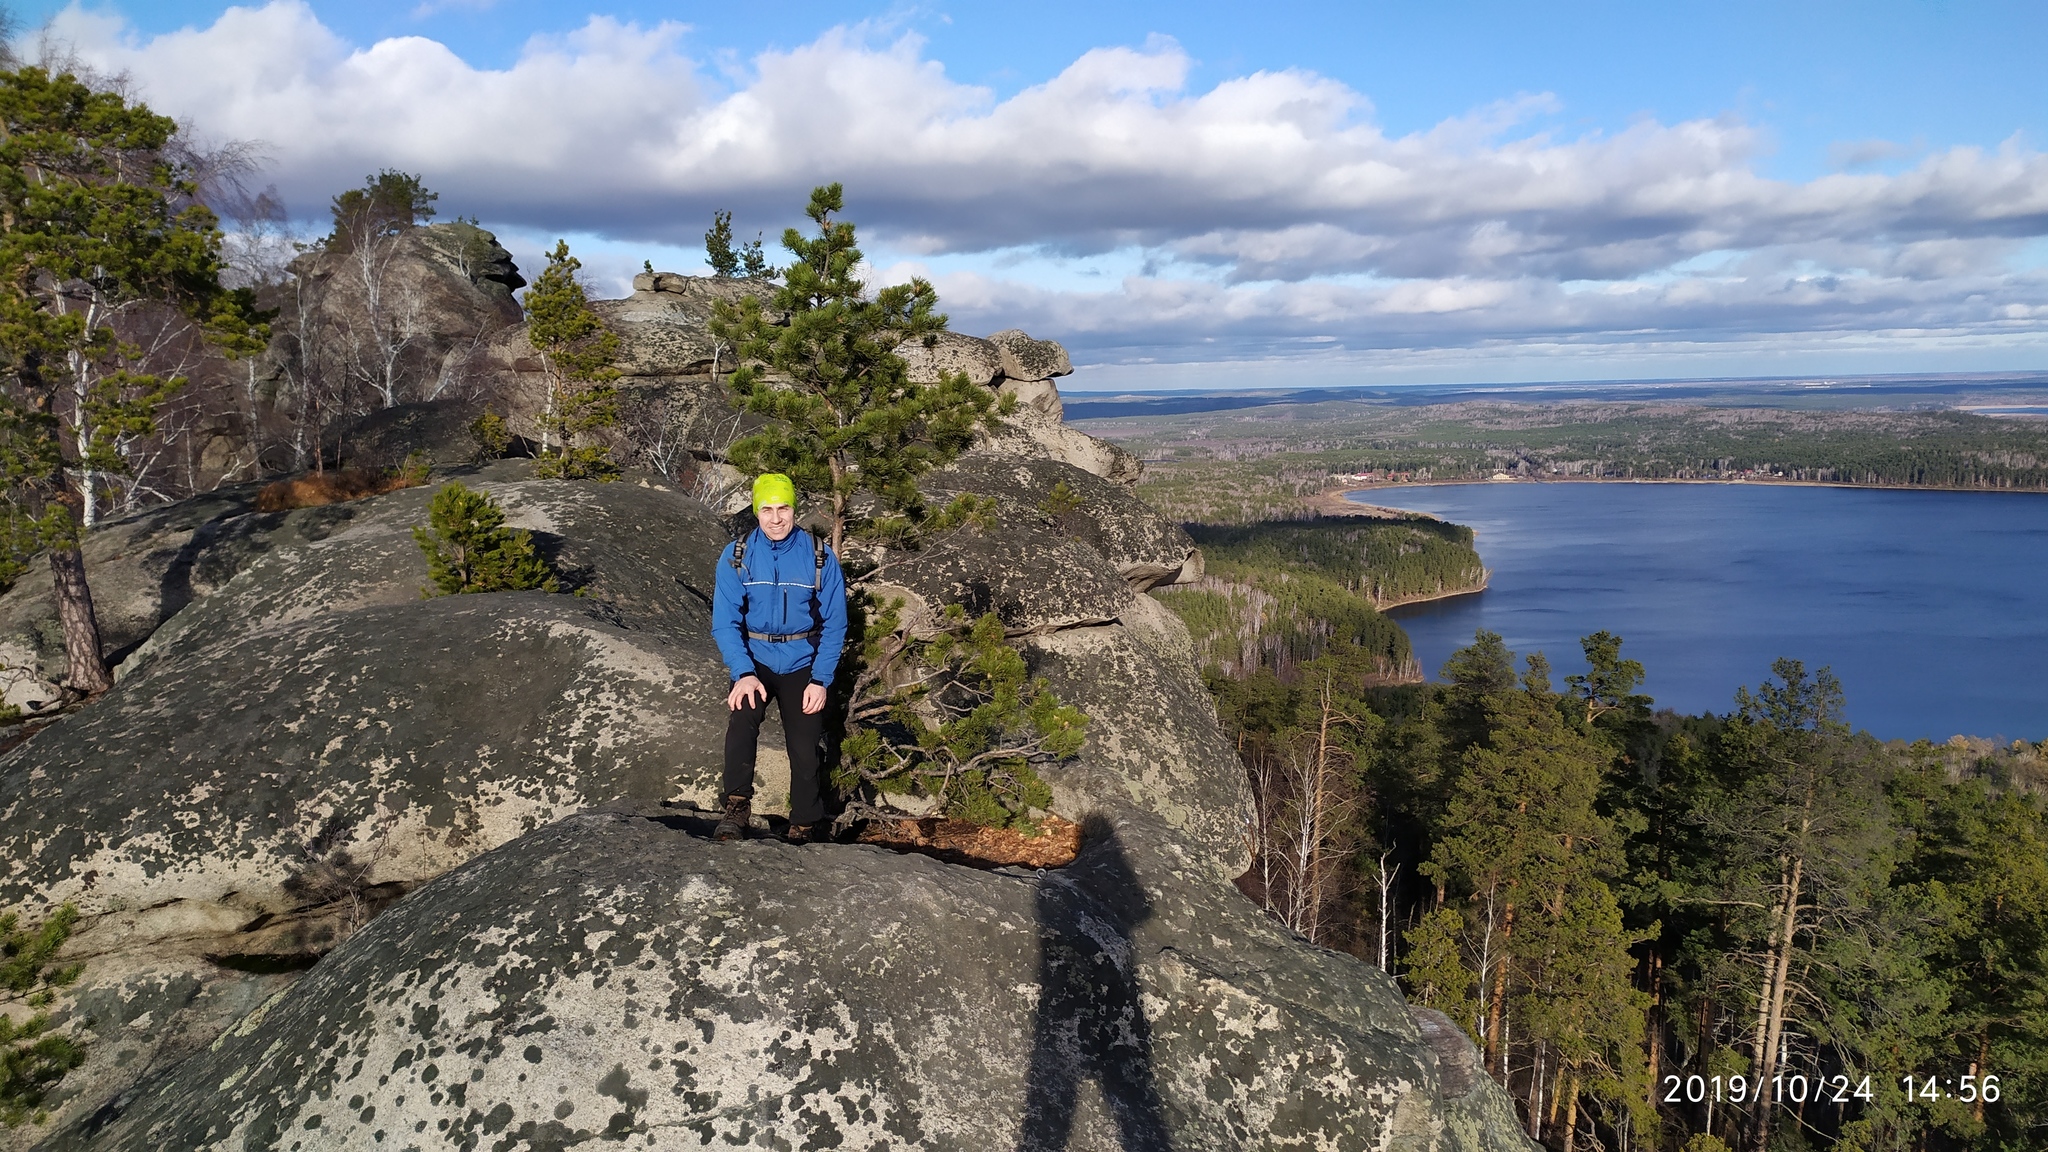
point(1194, 194)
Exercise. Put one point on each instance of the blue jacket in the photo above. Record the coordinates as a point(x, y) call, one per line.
point(774, 597)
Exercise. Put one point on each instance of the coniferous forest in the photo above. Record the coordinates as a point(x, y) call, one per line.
point(1753, 930)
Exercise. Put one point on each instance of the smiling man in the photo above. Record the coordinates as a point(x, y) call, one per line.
point(780, 622)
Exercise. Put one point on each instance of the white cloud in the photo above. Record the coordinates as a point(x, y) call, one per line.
point(1271, 213)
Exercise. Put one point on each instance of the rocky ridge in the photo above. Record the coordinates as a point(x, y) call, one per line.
point(368, 869)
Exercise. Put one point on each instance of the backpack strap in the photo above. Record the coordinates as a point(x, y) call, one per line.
point(817, 574)
point(739, 555)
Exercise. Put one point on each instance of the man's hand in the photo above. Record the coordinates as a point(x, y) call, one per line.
point(814, 699)
point(747, 687)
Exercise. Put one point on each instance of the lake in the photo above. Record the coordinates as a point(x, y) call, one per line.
point(1931, 607)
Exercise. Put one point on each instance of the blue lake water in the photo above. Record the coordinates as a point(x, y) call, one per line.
point(1931, 607)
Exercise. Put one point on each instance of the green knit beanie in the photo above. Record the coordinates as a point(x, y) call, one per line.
point(773, 488)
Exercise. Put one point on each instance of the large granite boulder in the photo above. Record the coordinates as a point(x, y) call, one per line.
point(620, 977)
point(1144, 548)
point(1026, 359)
point(320, 705)
point(420, 304)
point(144, 568)
point(948, 352)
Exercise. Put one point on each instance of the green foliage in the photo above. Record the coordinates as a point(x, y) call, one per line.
point(469, 549)
point(1277, 595)
point(726, 261)
point(32, 1057)
point(956, 718)
point(491, 435)
point(1434, 970)
point(388, 203)
point(849, 420)
point(1060, 501)
point(577, 350)
point(1588, 887)
point(96, 216)
point(418, 465)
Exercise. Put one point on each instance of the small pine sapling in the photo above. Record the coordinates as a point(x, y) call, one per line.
point(577, 351)
point(492, 437)
point(32, 1057)
point(469, 549)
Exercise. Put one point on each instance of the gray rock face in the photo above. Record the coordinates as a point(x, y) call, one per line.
point(144, 568)
point(1153, 742)
point(619, 977)
point(387, 437)
point(665, 328)
point(454, 282)
point(1144, 549)
point(951, 352)
point(1028, 359)
point(355, 719)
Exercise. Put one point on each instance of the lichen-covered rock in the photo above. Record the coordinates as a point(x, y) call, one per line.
point(437, 429)
point(619, 977)
point(319, 705)
point(1030, 575)
point(144, 568)
point(665, 330)
point(1028, 359)
point(1144, 548)
point(286, 766)
point(1153, 741)
point(950, 352)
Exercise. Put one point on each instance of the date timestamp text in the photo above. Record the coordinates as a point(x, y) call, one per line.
point(1798, 1088)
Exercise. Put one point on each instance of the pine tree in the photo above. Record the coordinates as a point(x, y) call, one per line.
point(469, 549)
point(388, 203)
point(577, 351)
point(957, 719)
point(1799, 831)
point(96, 221)
point(849, 420)
point(725, 263)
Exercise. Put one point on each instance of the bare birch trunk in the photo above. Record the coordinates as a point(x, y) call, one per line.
point(1773, 1022)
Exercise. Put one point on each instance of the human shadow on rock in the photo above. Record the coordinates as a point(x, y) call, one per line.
point(1091, 1021)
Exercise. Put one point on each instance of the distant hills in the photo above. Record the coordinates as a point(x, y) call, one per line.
point(1917, 390)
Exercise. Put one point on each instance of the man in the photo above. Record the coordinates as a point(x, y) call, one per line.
point(780, 622)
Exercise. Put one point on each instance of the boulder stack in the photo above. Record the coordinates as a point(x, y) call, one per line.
point(363, 868)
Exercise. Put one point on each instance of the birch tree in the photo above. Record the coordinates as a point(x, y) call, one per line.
point(1799, 831)
point(97, 218)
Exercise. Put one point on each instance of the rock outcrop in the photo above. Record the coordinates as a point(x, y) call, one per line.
point(618, 976)
point(363, 868)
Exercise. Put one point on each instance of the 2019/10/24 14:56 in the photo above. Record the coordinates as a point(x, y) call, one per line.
point(1837, 1089)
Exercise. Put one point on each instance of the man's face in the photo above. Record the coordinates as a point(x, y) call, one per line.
point(778, 520)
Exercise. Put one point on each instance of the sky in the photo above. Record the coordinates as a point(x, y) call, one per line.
point(1215, 195)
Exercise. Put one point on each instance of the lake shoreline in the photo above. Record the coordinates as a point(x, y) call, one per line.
point(1711, 587)
point(1327, 501)
point(1410, 601)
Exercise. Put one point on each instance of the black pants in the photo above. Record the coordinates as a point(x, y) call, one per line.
point(805, 732)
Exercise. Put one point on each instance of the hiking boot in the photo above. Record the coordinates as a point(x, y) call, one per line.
point(806, 833)
point(739, 816)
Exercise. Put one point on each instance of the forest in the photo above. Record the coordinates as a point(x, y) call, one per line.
point(1275, 596)
point(1253, 464)
point(1753, 930)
